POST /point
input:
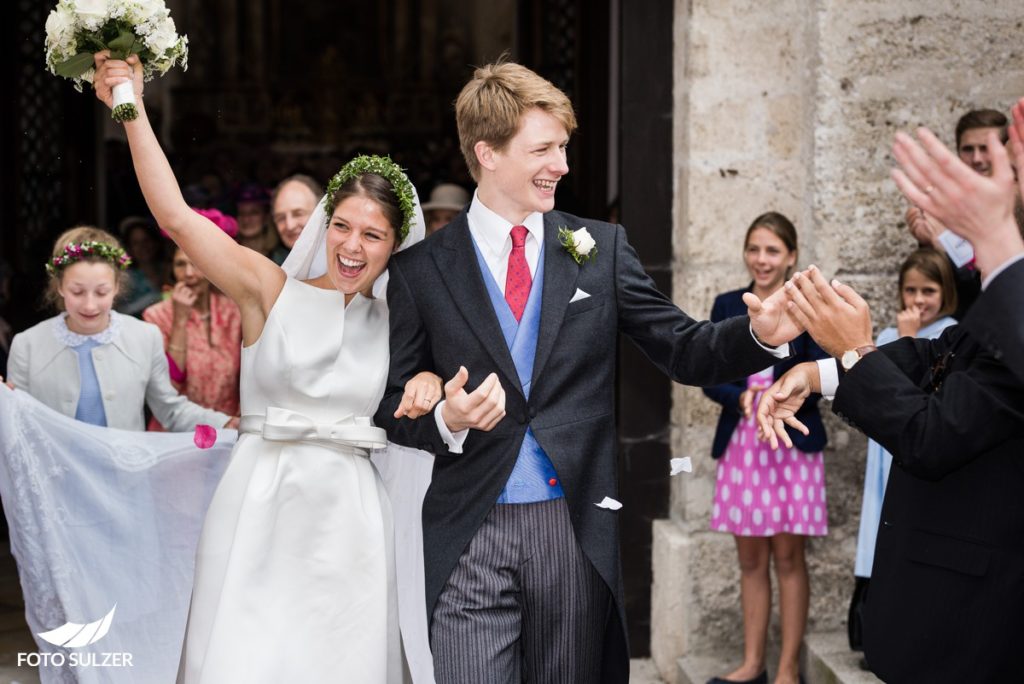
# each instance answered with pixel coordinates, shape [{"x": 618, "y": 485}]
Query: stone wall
[{"x": 791, "y": 105}]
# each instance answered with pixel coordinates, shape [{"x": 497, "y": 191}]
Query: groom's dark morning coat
[{"x": 441, "y": 318}]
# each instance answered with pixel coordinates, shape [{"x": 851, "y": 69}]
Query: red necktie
[{"x": 518, "y": 279}]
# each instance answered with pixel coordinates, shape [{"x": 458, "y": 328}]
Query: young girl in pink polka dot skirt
[
  {"x": 768, "y": 499},
  {"x": 760, "y": 491}
]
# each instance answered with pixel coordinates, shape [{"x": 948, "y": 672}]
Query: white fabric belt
[{"x": 283, "y": 425}]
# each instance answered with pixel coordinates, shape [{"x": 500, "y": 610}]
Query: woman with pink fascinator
[{"x": 202, "y": 331}]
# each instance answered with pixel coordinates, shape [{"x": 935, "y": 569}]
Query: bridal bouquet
[{"x": 76, "y": 29}]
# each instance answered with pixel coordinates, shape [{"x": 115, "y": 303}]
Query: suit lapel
[
  {"x": 456, "y": 260},
  {"x": 560, "y": 274}
]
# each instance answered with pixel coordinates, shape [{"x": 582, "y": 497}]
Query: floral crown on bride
[
  {"x": 89, "y": 249},
  {"x": 386, "y": 169}
]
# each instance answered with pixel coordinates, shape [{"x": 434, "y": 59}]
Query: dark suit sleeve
[
  {"x": 691, "y": 352},
  {"x": 968, "y": 287},
  {"x": 997, "y": 318},
  {"x": 931, "y": 434},
  {"x": 410, "y": 354},
  {"x": 727, "y": 394}
]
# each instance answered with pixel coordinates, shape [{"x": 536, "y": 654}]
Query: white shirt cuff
[
  {"x": 999, "y": 269},
  {"x": 828, "y": 376},
  {"x": 780, "y": 352},
  {"x": 454, "y": 441}
]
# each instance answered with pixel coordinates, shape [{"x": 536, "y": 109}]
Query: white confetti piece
[
  {"x": 609, "y": 503},
  {"x": 681, "y": 465}
]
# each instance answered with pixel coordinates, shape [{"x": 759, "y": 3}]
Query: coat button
[{"x": 533, "y": 412}]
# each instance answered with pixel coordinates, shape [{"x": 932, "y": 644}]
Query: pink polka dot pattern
[
  {"x": 760, "y": 492},
  {"x": 518, "y": 279}
]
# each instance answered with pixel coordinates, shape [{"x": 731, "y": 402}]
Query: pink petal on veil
[{"x": 205, "y": 437}]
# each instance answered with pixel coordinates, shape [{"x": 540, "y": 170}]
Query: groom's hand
[
  {"x": 480, "y": 409},
  {"x": 770, "y": 320}
]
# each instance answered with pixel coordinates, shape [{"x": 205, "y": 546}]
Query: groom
[{"x": 522, "y": 565}]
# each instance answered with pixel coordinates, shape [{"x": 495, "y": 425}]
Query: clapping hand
[
  {"x": 833, "y": 313},
  {"x": 747, "y": 399},
  {"x": 770, "y": 320},
  {"x": 975, "y": 207},
  {"x": 422, "y": 393},
  {"x": 924, "y": 228},
  {"x": 780, "y": 403},
  {"x": 480, "y": 409}
]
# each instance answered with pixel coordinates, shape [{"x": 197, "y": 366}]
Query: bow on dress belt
[{"x": 284, "y": 425}]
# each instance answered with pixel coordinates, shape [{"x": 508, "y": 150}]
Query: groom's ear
[{"x": 484, "y": 154}]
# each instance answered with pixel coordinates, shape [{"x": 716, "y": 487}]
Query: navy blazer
[{"x": 730, "y": 305}]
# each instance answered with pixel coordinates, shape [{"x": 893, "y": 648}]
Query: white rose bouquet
[{"x": 76, "y": 29}]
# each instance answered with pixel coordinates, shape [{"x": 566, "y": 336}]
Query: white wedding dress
[{"x": 295, "y": 572}]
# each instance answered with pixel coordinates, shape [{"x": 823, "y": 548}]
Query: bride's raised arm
[{"x": 249, "y": 278}]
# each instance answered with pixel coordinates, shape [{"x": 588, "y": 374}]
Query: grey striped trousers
[{"x": 524, "y": 604}]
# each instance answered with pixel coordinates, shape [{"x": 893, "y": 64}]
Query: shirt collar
[
  {"x": 72, "y": 339},
  {"x": 494, "y": 231}
]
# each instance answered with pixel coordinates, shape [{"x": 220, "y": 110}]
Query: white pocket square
[{"x": 580, "y": 294}]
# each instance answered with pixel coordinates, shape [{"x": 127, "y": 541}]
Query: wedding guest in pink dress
[
  {"x": 202, "y": 331},
  {"x": 769, "y": 500}
]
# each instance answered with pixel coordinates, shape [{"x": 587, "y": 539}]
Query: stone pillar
[{"x": 791, "y": 106}]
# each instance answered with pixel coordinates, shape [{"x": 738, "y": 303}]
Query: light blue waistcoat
[{"x": 533, "y": 473}]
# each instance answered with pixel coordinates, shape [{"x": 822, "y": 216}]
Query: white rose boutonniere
[{"x": 578, "y": 243}]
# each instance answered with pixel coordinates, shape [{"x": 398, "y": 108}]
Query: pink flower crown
[{"x": 90, "y": 249}]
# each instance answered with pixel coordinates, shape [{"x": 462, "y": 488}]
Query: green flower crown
[
  {"x": 385, "y": 168},
  {"x": 89, "y": 249}
]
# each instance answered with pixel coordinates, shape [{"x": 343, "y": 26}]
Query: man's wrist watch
[{"x": 850, "y": 358}]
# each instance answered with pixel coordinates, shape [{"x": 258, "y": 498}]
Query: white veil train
[
  {"x": 103, "y": 524},
  {"x": 406, "y": 472}
]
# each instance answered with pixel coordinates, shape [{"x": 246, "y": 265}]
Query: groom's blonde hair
[{"x": 491, "y": 105}]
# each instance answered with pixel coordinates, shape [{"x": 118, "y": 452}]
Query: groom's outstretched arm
[{"x": 692, "y": 352}]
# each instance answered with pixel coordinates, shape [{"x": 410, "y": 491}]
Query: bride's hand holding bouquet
[
  {"x": 114, "y": 74},
  {"x": 77, "y": 29}
]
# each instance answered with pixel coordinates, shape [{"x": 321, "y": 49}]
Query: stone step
[
  {"x": 826, "y": 658},
  {"x": 643, "y": 671}
]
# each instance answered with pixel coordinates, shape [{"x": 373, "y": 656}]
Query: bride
[{"x": 295, "y": 572}]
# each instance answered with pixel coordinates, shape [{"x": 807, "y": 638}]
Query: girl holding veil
[{"x": 295, "y": 574}]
